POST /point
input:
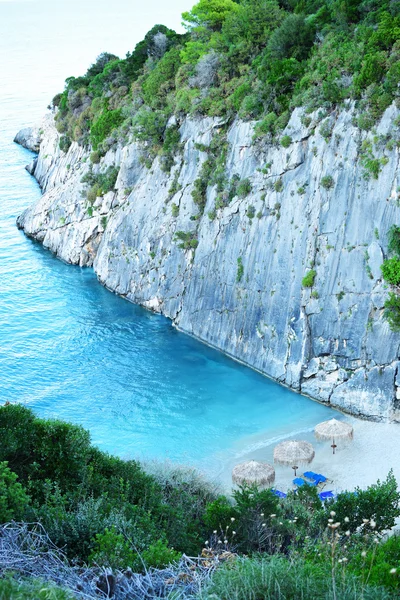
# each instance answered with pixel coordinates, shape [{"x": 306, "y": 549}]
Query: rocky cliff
[{"x": 321, "y": 202}]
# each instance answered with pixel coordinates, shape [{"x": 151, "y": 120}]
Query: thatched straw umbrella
[
  {"x": 334, "y": 430},
  {"x": 252, "y": 471},
  {"x": 294, "y": 452}
]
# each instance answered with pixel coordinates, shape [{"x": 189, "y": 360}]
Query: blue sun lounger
[
  {"x": 279, "y": 493},
  {"x": 326, "y": 495},
  {"x": 299, "y": 482},
  {"x": 317, "y": 477}
]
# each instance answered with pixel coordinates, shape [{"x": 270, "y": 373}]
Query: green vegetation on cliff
[{"x": 254, "y": 58}]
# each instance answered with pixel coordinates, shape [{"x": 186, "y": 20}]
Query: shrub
[
  {"x": 394, "y": 239},
  {"x": 64, "y": 143},
  {"x": 392, "y": 311},
  {"x": 278, "y": 185},
  {"x": 174, "y": 210},
  {"x": 240, "y": 269},
  {"x": 187, "y": 239},
  {"x": 38, "y": 450},
  {"x": 95, "y": 157},
  {"x": 327, "y": 182},
  {"x": 243, "y": 188},
  {"x": 391, "y": 270},
  {"x": 161, "y": 79},
  {"x": 158, "y": 555},
  {"x": 379, "y": 502},
  {"x": 104, "y": 125},
  {"x": 267, "y": 125},
  {"x": 250, "y": 212},
  {"x": 111, "y": 549},
  {"x": 286, "y": 141},
  {"x": 326, "y": 130},
  {"x": 13, "y": 498},
  {"x": 308, "y": 280},
  {"x": 293, "y": 39}
]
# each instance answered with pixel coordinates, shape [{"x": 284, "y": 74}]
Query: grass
[
  {"x": 280, "y": 578},
  {"x": 31, "y": 589}
]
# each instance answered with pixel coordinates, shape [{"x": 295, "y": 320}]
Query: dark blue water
[{"x": 71, "y": 349}]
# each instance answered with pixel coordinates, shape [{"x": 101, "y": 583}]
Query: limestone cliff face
[{"x": 314, "y": 206}]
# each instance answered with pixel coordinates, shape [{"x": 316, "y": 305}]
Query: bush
[
  {"x": 149, "y": 126},
  {"x": 95, "y": 157},
  {"x": 111, "y": 549},
  {"x": 104, "y": 125},
  {"x": 379, "y": 503},
  {"x": 293, "y": 39},
  {"x": 391, "y": 270},
  {"x": 38, "y": 450},
  {"x": 286, "y": 141},
  {"x": 267, "y": 125},
  {"x": 187, "y": 240},
  {"x": 243, "y": 188},
  {"x": 392, "y": 311},
  {"x": 394, "y": 240},
  {"x": 251, "y": 212},
  {"x": 64, "y": 143},
  {"x": 327, "y": 182},
  {"x": 13, "y": 498},
  {"x": 161, "y": 79},
  {"x": 158, "y": 555},
  {"x": 240, "y": 269},
  {"x": 308, "y": 280}
]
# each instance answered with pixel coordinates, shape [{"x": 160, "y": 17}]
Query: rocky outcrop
[
  {"x": 29, "y": 138},
  {"x": 236, "y": 283}
]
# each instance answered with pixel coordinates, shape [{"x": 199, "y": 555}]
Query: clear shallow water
[{"x": 71, "y": 349}]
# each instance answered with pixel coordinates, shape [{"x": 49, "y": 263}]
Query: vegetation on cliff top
[
  {"x": 104, "y": 511},
  {"x": 254, "y": 58}
]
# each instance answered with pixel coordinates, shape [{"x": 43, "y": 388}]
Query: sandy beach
[{"x": 374, "y": 450}]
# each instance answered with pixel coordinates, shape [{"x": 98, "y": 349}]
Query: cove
[{"x": 70, "y": 349}]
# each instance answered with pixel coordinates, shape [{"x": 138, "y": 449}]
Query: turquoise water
[{"x": 73, "y": 350}]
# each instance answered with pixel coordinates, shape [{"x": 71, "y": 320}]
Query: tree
[
  {"x": 149, "y": 46},
  {"x": 209, "y": 13},
  {"x": 293, "y": 39},
  {"x": 248, "y": 28},
  {"x": 98, "y": 66}
]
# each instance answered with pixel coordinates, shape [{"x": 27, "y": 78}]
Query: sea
[{"x": 72, "y": 350}]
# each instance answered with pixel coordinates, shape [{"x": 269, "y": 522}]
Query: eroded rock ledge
[{"x": 311, "y": 205}]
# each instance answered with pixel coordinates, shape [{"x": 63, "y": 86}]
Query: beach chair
[
  {"x": 317, "y": 477},
  {"x": 279, "y": 493},
  {"x": 299, "y": 482},
  {"x": 326, "y": 495}
]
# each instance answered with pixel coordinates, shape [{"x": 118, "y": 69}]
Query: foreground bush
[
  {"x": 110, "y": 513},
  {"x": 78, "y": 492}
]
